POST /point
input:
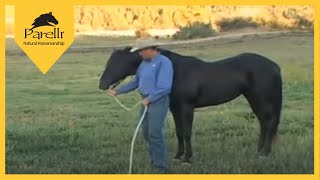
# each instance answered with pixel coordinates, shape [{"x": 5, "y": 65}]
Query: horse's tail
[{"x": 277, "y": 103}]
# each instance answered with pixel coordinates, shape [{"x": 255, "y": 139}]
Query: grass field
[{"x": 62, "y": 123}]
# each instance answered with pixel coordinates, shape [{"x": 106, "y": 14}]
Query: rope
[
  {"x": 137, "y": 128},
  {"x": 134, "y": 138},
  {"x": 125, "y": 107}
]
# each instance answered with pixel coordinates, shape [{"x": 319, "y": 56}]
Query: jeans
[{"x": 153, "y": 131}]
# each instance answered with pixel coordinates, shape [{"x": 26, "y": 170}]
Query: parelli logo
[
  {"x": 36, "y": 32},
  {"x": 45, "y": 32}
]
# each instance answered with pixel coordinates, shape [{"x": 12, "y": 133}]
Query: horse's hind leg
[
  {"x": 179, "y": 133},
  {"x": 262, "y": 137},
  {"x": 188, "y": 113},
  {"x": 267, "y": 113},
  {"x": 271, "y": 130},
  {"x": 269, "y": 125},
  {"x": 272, "y": 125},
  {"x": 183, "y": 115}
]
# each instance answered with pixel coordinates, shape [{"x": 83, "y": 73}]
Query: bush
[
  {"x": 304, "y": 23},
  {"x": 274, "y": 24},
  {"x": 236, "y": 23},
  {"x": 195, "y": 30}
]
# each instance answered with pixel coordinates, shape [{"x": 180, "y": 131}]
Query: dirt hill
[
  {"x": 165, "y": 17},
  {"x": 101, "y": 18}
]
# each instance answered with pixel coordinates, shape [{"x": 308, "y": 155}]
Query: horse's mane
[
  {"x": 168, "y": 54},
  {"x": 174, "y": 54},
  {"x": 162, "y": 51}
]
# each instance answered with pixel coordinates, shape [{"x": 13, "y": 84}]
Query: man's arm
[
  {"x": 132, "y": 85},
  {"x": 164, "y": 81}
]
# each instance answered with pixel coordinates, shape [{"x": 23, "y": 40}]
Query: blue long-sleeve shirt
[{"x": 153, "y": 78}]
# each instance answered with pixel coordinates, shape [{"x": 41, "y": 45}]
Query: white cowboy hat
[{"x": 143, "y": 43}]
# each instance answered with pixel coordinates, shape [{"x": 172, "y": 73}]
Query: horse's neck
[
  {"x": 171, "y": 55},
  {"x": 177, "y": 58}
]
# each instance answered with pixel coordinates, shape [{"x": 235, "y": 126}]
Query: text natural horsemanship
[{"x": 43, "y": 43}]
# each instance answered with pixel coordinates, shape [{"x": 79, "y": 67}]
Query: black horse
[{"x": 197, "y": 84}]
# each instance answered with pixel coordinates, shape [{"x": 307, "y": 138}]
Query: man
[{"x": 154, "y": 81}]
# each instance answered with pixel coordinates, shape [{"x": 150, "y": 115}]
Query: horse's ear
[
  {"x": 50, "y": 13},
  {"x": 127, "y": 48}
]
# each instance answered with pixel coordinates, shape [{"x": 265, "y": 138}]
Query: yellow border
[
  {"x": 2, "y": 88},
  {"x": 316, "y": 89},
  {"x": 316, "y": 4},
  {"x": 182, "y": 2}
]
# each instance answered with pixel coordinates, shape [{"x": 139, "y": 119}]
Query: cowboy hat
[{"x": 144, "y": 43}]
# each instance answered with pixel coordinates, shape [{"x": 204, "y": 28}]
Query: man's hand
[
  {"x": 111, "y": 92},
  {"x": 145, "y": 102}
]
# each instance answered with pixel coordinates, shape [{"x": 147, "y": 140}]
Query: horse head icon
[{"x": 45, "y": 20}]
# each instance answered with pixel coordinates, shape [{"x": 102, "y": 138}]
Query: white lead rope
[
  {"x": 137, "y": 128},
  {"x": 134, "y": 138},
  {"x": 125, "y": 107}
]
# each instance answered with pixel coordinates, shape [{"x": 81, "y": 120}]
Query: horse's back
[
  {"x": 247, "y": 60},
  {"x": 204, "y": 83}
]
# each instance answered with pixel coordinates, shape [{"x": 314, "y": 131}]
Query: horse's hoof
[
  {"x": 176, "y": 159},
  {"x": 263, "y": 156},
  {"x": 186, "y": 162}
]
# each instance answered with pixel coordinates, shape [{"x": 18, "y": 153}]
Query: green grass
[{"x": 62, "y": 123}]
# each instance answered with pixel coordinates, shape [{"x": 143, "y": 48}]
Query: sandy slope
[{"x": 165, "y": 20}]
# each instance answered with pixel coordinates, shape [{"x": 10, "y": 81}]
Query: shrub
[
  {"x": 226, "y": 24},
  {"x": 195, "y": 30},
  {"x": 304, "y": 23}
]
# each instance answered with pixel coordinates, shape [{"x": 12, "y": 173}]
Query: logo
[
  {"x": 44, "y": 33},
  {"x": 44, "y": 20}
]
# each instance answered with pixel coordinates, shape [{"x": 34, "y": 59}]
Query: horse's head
[
  {"x": 121, "y": 64},
  {"x": 50, "y": 18}
]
